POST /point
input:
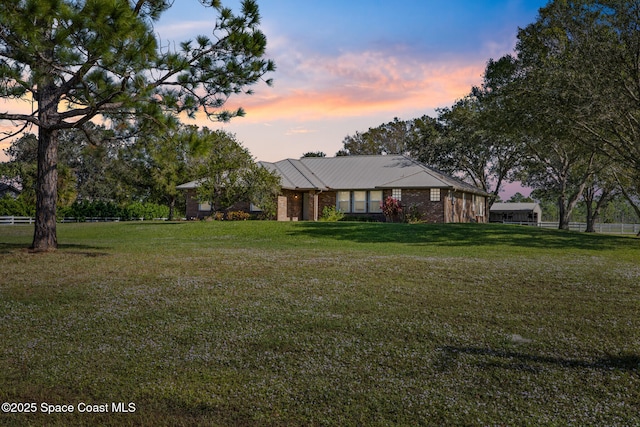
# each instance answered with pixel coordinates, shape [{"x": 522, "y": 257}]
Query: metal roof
[
  {"x": 362, "y": 173},
  {"x": 190, "y": 185},
  {"x": 512, "y": 207},
  {"x": 358, "y": 173}
]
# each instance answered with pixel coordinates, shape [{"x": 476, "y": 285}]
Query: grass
[{"x": 265, "y": 323}]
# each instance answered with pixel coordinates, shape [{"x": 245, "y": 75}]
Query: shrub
[
  {"x": 392, "y": 209},
  {"x": 100, "y": 209},
  {"x": 413, "y": 214},
  {"x": 331, "y": 214},
  {"x": 16, "y": 207},
  {"x": 237, "y": 216},
  {"x": 147, "y": 211}
]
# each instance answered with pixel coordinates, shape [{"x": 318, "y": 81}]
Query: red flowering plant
[{"x": 391, "y": 208}]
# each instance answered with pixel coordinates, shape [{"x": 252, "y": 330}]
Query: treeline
[
  {"x": 10, "y": 206},
  {"x": 561, "y": 115},
  {"x": 104, "y": 174}
]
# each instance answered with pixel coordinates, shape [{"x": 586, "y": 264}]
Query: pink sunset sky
[{"x": 348, "y": 65}]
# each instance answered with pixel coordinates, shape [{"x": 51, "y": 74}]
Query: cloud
[
  {"x": 300, "y": 131},
  {"x": 358, "y": 83},
  {"x": 183, "y": 30}
]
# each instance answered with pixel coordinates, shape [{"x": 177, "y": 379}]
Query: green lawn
[{"x": 265, "y": 323}]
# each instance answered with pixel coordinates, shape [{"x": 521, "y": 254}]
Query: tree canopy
[
  {"x": 76, "y": 60},
  {"x": 562, "y": 114}
]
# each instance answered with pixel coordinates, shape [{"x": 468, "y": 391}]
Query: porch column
[
  {"x": 315, "y": 207},
  {"x": 283, "y": 214}
]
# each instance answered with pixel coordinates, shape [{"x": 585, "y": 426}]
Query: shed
[{"x": 516, "y": 212}]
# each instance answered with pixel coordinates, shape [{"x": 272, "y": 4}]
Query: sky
[{"x": 344, "y": 66}]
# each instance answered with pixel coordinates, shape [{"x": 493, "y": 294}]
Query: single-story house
[
  {"x": 356, "y": 185},
  {"x": 516, "y": 212}
]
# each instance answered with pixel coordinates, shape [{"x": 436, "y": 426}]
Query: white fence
[
  {"x": 582, "y": 226},
  {"x": 13, "y": 220}
]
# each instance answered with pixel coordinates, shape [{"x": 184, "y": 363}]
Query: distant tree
[
  {"x": 427, "y": 144},
  {"x": 89, "y": 166},
  {"x": 21, "y": 168},
  {"x": 389, "y": 138},
  {"x": 229, "y": 174},
  {"x": 92, "y": 153},
  {"x": 80, "y": 59},
  {"x": 520, "y": 198},
  {"x": 314, "y": 154},
  {"x": 472, "y": 146},
  {"x": 473, "y": 139},
  {"x": 161, "y": 159},
  {"x": 361, "y": 143}
]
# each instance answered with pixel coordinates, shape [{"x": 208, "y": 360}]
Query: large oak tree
[
  {"x": 580, "y": 92},
  {"x": 77, "y": 60}
]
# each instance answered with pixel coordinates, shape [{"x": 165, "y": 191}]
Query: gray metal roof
[
  {"x": 362, "y": 173},
  {"x": 512, "y": 207},
  {"x": 358, "y": 173},
  {"x": 190, "y": 185}
]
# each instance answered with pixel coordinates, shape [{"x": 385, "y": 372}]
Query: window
[
  {"x": 396, "y": 193},
  {"x": 435, "y": 194},
  {"x": 375, "y": 199},
  {"x": 344, "y": 201},
  {"x": 360, "y": 201},
  {"x": 204, "y": 206}
]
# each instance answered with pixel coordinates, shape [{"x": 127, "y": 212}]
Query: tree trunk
[
  {"x": 593, "y": 212},
  {"x": 564, "y": 213},
  {"x": 591, "y": 217},
  {"x": 44, "y": 237},
  {"x": 589, "y": 196},
  {"x": 172, "y": 206}
]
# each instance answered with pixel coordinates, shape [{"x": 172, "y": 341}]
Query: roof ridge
[
  {"x": 408, "y": 176},
  {"x": 281, "y": 172},
  {"x": 316, "y": 178}
]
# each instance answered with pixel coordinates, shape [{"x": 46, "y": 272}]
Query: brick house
[{"x": 356, "y": 185}]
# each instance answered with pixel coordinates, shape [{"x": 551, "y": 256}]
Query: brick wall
[
  {"x": 294, "y": 204},
  {"x": 462, "y": 210},
  {"x": 191, "y": 210},
  {"x": 421, "y": 201}
]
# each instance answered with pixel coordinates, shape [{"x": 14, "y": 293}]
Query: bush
[
  {"x": 100, "y": 209},
  {"x": 146, "y": 211},
  {"x": 413, "y": 215},
  {"x": 331, "y": 214},
  {"x": 392, "y": 209},
  {"x": 16, "y": 207},
  {"x": 237, "y": 216}
]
